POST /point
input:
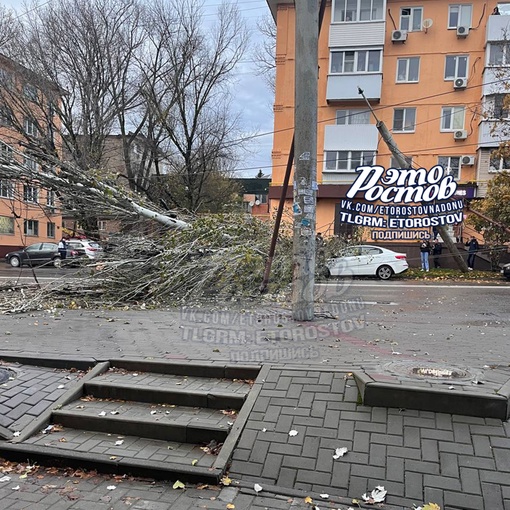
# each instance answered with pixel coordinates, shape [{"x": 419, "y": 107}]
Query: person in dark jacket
[
  {"x": 437, "y": 249},
  {"x": 473, "y": 247},
  {"x": 424, "y": 254}
]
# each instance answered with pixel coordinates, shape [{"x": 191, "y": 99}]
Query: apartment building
[
  {"x": 434, "y": 73},
  {"x": 28, "y": 213}
]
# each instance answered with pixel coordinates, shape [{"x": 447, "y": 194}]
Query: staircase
[{"x": 170, "y": 422}]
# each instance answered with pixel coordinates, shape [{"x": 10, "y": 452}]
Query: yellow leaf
[
  {"x": 178, "y": 485},
  {"x": 226, "y": 480},
  {"x": 431, "y": 506},
  {"x": 355, "y": 501},
  {"x": 23, "y": 476},
  {"x": 230, "y": 506},
  {"x": 308, "y": 500},
  {"x": 194, "y": 462}
]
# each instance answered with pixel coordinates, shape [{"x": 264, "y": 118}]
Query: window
[
  {"x": 6, "y": 225},
  {"x": 452, "y": 118},
  {"x": 356, "y": 61},
  {"x": 30, "y": 193},
  {"x": 50, "y": 229},
  {"x": 6, "y": 189},
  {"x": 499, "y": 54},
  {"x": 459, "y": 15},
  {"x": 499, "y": 164},
  {"x": 408, "y": 70},
  {"x": 394, "y": 163},
  {"x": 411, "y": 18},
  {"x": 50, "y": 198},
  {"x": 404, "y": 120},
  {"x": 358, "y": 10},
  {"x": 348, "y": 161},
  {"x": 101, "y": 224},
  {"x": 456, "y": 66},
  {"x": 30, "y": 126},
  {"x": 30, "y": 92},
  {"x": 353, "y": 116},
  {"x": 30, "y": 163},
  {"x": 5, "y": 117},
  {"x": 6, "y": 79},
  {"x": 504, "y": 8},
  {"x": 31, "y": 227},
  {"x": 451, "y": 164},
  {"x": 5, "y": 152}
]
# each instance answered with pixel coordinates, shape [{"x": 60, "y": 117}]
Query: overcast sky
[{"x": 252, "y": 96}]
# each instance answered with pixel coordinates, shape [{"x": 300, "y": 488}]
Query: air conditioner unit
[
  {"x": 462, "y": 31},
  {"x": 399, "y": 36},
  {"x": 467, "y": 160},
  {"x": 460, "y": 83},
  {"x": 460, "y": 134}
]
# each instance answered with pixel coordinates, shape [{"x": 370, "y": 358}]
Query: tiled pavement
[{"x": 457, "y": 462}]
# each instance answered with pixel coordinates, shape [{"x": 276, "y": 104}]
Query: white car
[
  {"x": 91, "y": 249},
  {"x": 368, "y": 261}
]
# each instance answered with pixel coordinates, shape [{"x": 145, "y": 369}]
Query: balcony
[
  {"x": 351, "y": 35},
  {"x": 498, "y": 28},
  {"x": 492, "y": 133},
  {"x": 344, "y": 87},
  {"x": 352, "y": 137}
]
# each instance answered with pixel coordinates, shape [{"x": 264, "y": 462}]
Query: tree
[
  {"x": 264, "y": 52},
  {"x": 496, "y": 206}
]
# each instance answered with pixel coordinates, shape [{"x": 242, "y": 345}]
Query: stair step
[
  {"x": 182, "y": 424},
  {"x": 169, "y": 389}
]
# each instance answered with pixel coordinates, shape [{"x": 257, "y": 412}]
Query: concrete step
[
  {"x": 169, "y": 389},
  {"x": 155, "y": 421}
]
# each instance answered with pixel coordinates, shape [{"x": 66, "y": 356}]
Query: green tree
[{"x": 496, "y": 209}]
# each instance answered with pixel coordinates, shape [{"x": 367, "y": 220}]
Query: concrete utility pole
[
  {"x": 305, "y": 172},
  {"x": 404, "y": 163}
]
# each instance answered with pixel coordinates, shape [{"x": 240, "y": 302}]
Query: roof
[{"x": 256, "y": 186}]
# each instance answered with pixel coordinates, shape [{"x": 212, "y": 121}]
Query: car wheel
[
  {"x": 57, "y": 262},
  {"x": 384, "y": 272},
  {"x": 15, "y": 261},
  {"x": 326, "y": 272}
]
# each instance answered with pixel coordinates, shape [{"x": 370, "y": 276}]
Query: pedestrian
[
  {"x": 424, "y": 254},
  {"x": 473, "y": 247},
  {"x": 437, "y": 249},
  {"x": 62, "y": 249},
  {"x": 496, "y": 12}
]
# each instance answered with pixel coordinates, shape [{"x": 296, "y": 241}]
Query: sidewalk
[{"x": 456, "y": 461}]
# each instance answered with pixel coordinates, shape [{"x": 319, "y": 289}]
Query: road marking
[{"x": 420, "y": 286}]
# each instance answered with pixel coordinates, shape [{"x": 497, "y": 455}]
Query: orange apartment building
[
  {"x": 28, "y": 213},
  {"x": 431, "y": 71}
]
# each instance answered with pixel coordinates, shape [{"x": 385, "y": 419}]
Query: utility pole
[
  {"x": 404, "y": 163},
  {"x": 305, "y": 171}
]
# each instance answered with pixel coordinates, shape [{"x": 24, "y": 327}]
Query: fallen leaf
[
  {"x": 17, "y": 433},
  {"x": 49, "y": 428},
  {"x": 5, "y": 478},
  {"x": 257, "y": 487},
  {"x": 15, "y": 488},
  {"x": 340, "y": 452},
  {"x": 113, "y": 457},
  {"x": 308, "y": 500},
  {"x": 178, "y": 485},
  {"x": 60, "y": 386},
  {"x": 23, "y": 476},
  {"x": 111, "y": 487},
  {"x": 230, "y": 506},
  {"x": 114, "y": 412},
  {"x": 293, "y": 433},
  {"x": 194, "y": 462},
  {"x": 376, "y": 496},
  {"x": 102, "y": 413},
  {"x": 118, "y": 443},
  {"x": 226, "y": 480},
  {"x": 430, "y": 506},
  {"x": 324, "y": 496}
]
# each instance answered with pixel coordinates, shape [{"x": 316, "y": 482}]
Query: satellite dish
[
  {"x": 257, "y": 202},
  {"x": 427, "y": 23},
  {"x": 252, "y": 204}
]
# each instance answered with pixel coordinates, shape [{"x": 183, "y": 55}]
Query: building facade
[
  {"x": 434, "y": 72},
  {"x": 28, "y": 212}
]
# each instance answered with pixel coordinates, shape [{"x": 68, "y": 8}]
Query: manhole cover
[
  {"x": 5, "y": 374},
  {"x": 430, "y": 371}
]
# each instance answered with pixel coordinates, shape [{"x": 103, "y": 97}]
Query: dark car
[
  {"x": 37, "y": 254},
  {"x": 505, "y": 271}
]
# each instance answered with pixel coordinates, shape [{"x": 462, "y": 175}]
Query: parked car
[
  {"x": 39, "y": 253},
  {"x": 368, "y": 261},
  {"x": 86, "y": 247},
  {"x": 505, "y": 271}
]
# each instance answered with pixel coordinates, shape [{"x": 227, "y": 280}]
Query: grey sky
[{"x": 251, "y": 95}]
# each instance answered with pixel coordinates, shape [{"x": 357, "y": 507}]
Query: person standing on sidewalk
[
  {"x": 424, "y": 254},
  {"x": 437, "y": 249},
  {"x": 473, "y": 247},
  {"x": 62, "y": 249}
]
